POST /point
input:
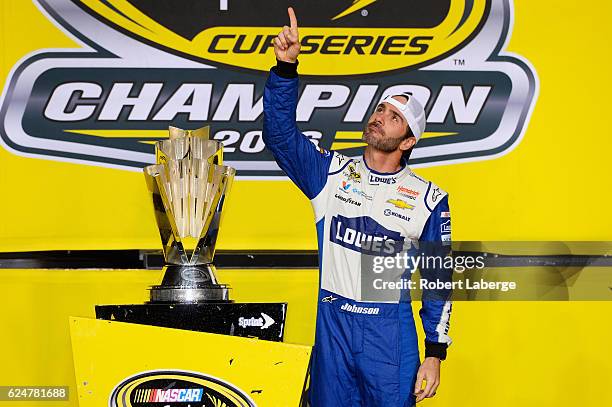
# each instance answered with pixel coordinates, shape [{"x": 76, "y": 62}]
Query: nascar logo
[
  {"x": 139, "y": 71},
  {"x": 165, "y": 396},
  {"x": 175, "y": 388}
]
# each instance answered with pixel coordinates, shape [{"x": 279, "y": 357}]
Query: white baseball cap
[{"x": 412, "y": 111}]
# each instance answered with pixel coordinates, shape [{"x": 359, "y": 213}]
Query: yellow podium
[{"x": 120, "y": 364}]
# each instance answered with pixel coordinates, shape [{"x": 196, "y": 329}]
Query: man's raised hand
[{"x": 287, "y": 43}]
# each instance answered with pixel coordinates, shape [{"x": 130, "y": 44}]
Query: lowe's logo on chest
[
  {"x": 363, "y": 234},
  {"x": 377, "y": 179}
]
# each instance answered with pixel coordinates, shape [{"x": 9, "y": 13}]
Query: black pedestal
[{"x": 261, "y": 320}]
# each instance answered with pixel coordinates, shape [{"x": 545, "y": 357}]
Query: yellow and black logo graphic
[
  {"x": 338, "y": 37},
  {"x": 177, "y": 389},
  {"x": 146, "y": 64}
]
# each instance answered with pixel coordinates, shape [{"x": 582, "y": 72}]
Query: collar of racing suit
[{"x": 401, "y": 173}]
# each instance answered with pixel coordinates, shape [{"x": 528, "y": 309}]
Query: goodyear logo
[
  {"x": 177, "y": 388},
  {"x": 145, "y": 64}
]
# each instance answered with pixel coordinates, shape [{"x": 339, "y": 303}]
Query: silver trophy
[{"x": 188, "y": 186}]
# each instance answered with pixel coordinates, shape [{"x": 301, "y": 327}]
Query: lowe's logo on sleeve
[
  {"x": 445, "y": 227},
  {"x": 363, "y": 234}
]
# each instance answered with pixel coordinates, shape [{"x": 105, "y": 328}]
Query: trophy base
[
  {"x": 189, "y": 284},
  {"x": 260, "y": 320},
  {"x": 179, "y": 294}
]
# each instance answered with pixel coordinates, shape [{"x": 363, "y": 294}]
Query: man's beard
[{"x": 374, "y": 136}]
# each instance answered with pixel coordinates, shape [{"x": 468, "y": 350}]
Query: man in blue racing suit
[{"x": 366, "y": 352}]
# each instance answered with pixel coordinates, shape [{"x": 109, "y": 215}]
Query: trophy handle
[
  {"x": 174, "y": 252},
  {"x": 222, "y": 177}
]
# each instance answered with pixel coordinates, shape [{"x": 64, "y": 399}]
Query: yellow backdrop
[
  {"x": 553, "y": 186},
  {"x": 532, "y": 354},
  {"x": 532, "y": 193}
]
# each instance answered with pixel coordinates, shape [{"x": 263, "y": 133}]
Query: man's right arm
[{"x": 304, "y": 163}]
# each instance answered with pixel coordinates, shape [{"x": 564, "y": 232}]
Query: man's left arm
[{"x": 436, "y": 305}]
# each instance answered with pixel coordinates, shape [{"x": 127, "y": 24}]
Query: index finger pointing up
[{"x": 292, "y": 19}]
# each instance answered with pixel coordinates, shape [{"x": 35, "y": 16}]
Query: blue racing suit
[{"x": 366, "y": 352}]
